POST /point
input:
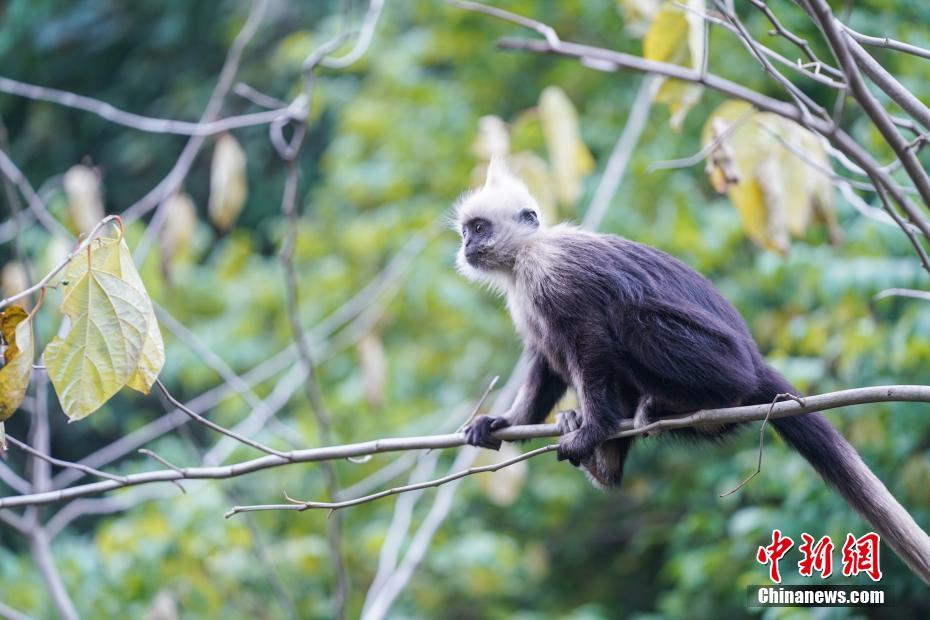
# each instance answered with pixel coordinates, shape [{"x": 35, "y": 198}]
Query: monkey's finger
[{"x": 498, "y": 423}]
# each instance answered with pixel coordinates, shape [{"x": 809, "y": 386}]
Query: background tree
[{"x": 354, "y": 127}]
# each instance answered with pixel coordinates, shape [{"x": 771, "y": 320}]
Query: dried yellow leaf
[
  {"x": 676, "y": 36},
  {"x": 85, "y": 202},
  {"x": 228, "y": 185},
  {"x": 773, "y": 171},
  {"x": 16, "y": 330}
]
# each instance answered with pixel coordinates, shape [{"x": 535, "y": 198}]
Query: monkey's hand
[
  {"x": 576, "y": 444},
  {"x": 479, "y": 432}
]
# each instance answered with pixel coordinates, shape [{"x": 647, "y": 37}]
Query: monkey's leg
[
  {"x": 541, "y": 390},
  {"x": 604, "y": 402},
  {"x": 605, "y": 468}
]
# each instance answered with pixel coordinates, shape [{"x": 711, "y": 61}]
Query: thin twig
[
  {"x": 478, "y": 404},
  {"x": 60, "y": 463},
  {"x": 548, "y": 32},
  {"x": 167, "y": 464},
  {"x": 216, "y": 427},
  {"x": 137, "y": 121},
  {"x": 887, "y": 43},
  {"x": 903, "y": 292},
  {"x": 778, "y": 397},
  {"x": 301, "y": 505},
  {"x": 64, "y": 263},
  {"x": 366, "y": 34}
]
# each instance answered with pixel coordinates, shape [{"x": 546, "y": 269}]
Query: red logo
[
  {"x": 817, "y": 556},
  {"x": 774, "y": 552},
  {"x": 860, "y": 555}
]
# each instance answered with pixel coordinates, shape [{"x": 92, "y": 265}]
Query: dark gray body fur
[{"x": 624, "y": 323}]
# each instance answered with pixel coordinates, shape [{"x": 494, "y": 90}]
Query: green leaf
[
  {"x": 103, "y": 347},
  {"x": 16, "y": 328}
]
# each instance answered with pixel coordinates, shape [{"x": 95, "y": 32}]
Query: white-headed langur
[{"x": 638, "y": 335}]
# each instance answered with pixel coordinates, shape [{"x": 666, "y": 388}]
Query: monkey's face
[{"x": 495, "y": 222}]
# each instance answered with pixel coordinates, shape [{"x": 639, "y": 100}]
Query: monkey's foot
[
  {"x": 568, "y": 421},
  {"x": 643, "y": 418},
  {"x": 577, "y": 445},
  {"x": 479, "y": 432}
]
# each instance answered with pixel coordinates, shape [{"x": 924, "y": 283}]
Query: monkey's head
[{"x": 495, "y": 222}]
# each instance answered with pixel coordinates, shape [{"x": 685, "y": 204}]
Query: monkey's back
[{"x": 643, "y": 316}]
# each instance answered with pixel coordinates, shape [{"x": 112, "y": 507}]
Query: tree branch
[{"x": 822, "y": 402}]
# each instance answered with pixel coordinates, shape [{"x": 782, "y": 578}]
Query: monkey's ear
[{"x": 497, "y": 171}]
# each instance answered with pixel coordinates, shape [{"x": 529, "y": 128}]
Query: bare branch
[
  {"x": 13, "y": 480},
  {"x": 548, "y": 32},
  {"x": 301, "y": 505},
  {"x": 12, "y": 172},
  {"x": 311, "y": 385},
  {"x": 884, "y": 42},
  {"x": 136, "y": 121},
  {"x": 15, "y": 521},
  {"x": 903, "y": 292},
  {"x": 780, "y": 30},
  {"x": 822, "y": 402},
  {"x": 42, "y": 552},
  {"x": 213, "y": 425},
  {"x": 60, "y": 463},
  {"x": 840, "y": 44},
  {"x": 11, "y": 614},
  {"x": 366, "y": 34},
  {"x": 889, "y": 83}
]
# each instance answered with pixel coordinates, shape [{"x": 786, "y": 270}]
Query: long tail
[{"x": 838, "y": 463}]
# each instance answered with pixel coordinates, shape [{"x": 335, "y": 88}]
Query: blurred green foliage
[{"x": 388, "y": 151}]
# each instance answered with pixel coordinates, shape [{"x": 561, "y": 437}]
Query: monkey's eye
[
  {"x": 478, "y": 228},
  {"x": 528, "y": 216}
]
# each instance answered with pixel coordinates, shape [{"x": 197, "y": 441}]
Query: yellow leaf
[
  {"x": 101, "y": 350},
  {"x": 83, "y": 188},
  {"x": 570, "y": 158},
  {"x": 179, "y": 227},
  {"x": 228, "y": 185},
  {"x": 773, "y": 171},
  {"x": 680, "y": 97},
  {"x": 676, "y": 36},
  {"x": 13, "y": 280},
  {"x": 373, "y": 363},
  {"x": 111, "y": 256},
  {"x": 16, "y": 330}
]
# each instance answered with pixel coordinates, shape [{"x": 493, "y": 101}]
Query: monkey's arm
[{"x": 541, "y": 390}]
